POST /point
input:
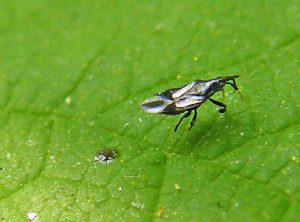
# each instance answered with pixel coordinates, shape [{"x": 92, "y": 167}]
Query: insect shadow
[{"x": 214, "y": 138}]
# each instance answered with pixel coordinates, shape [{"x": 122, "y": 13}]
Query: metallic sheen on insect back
[{"x": 188, "y": 98}]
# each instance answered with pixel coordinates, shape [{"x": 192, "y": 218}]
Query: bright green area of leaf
[{"x": 73, "y": 75}]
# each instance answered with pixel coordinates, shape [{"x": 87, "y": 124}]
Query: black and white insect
[{"x": 189, "y": 98}]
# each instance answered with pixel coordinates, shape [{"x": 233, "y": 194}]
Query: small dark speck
[
  {"x": 1, "y": 168},
  {"x": 106, "y": 156}
]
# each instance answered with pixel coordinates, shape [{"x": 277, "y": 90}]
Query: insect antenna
[
  {"x": 240, "y": 94},
  {"x": 237, "y": 89}
]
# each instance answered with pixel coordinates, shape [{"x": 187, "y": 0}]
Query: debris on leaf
[
  {"x": 137, "y": 205},
  {"x": 32, "y": 217},
  {"x": 176, "y": 186},
  {"x": 160, "y": 212},
  {"x": 105, "y": 156}
]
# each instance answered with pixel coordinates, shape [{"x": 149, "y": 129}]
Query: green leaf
[{"x": 72, "y": 78}]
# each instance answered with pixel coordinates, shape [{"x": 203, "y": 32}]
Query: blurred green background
[{"x": 73, "y": 75}]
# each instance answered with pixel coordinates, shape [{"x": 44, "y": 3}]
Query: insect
[{"x": 189, "y": 98}]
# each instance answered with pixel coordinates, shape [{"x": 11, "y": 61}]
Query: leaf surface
[{"x": 73, "y": 76}]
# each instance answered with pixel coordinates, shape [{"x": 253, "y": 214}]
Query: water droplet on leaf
[{"x": 68, "y": 100}]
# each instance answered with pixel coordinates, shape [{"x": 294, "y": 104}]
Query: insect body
[{"x": 188, "y": 98}]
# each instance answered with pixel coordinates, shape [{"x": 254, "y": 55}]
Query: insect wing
[
  {"x": 189, "y": 101},
  {"x": 174, "y": 101},
  {"x": 176, "y": 93},
  {"x": 187, "y": 97},
  {"x": 156, "y": 104}
]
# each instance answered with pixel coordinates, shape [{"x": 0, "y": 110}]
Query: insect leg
[
  {"x": 194, "y": 119},
  {"x": 223, "y": 94},
  {"x": 187, "y": 114},
  {"x": 223, "y": 109},
  {"x": 233, "y": 85}
]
